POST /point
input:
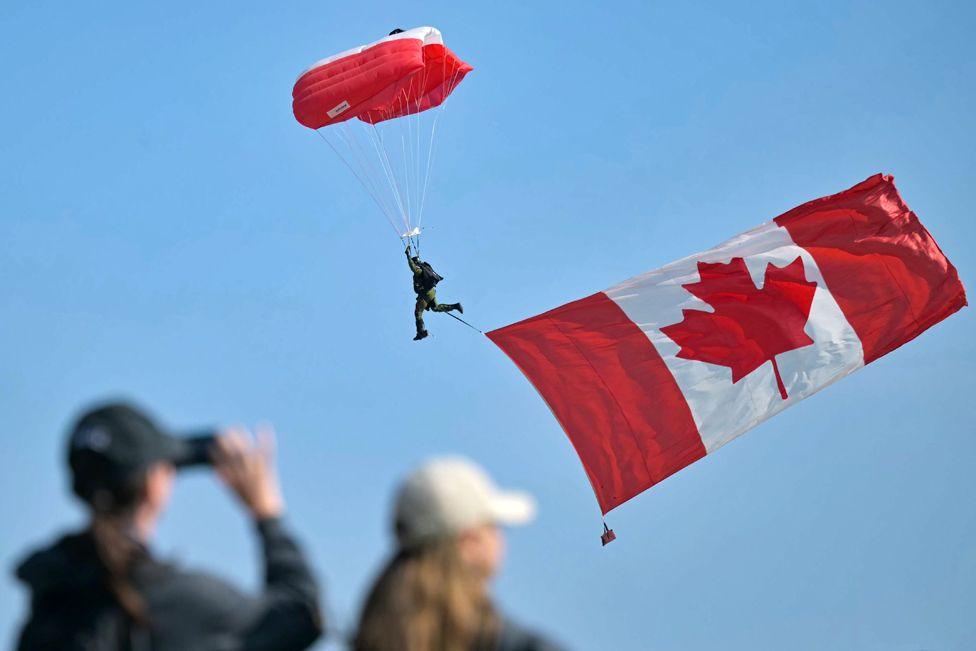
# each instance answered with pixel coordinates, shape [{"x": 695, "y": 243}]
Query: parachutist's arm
[{"x": 413, "y": 265}]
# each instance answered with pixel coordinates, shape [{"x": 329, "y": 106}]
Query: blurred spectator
[
  {"x": 102, "y": 588},
  {"x": 433, "y": 594}
]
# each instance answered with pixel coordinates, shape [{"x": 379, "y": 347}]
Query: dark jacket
[
  {"x": 188, "y": 611},
  {"x": 513, "y": 637}
]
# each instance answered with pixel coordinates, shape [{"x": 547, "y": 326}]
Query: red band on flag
[
  {"x": 611, "y": 392},
  {"x": 885, "y": 271}
]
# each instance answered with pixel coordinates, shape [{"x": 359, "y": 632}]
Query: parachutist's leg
[
  {"x": 418, "y": 315},
  {"x": 448, "y": 307}
]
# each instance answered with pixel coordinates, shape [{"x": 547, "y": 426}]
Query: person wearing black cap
[{"x": 103, "y": 589}]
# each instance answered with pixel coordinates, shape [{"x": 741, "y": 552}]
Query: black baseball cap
[{"x": 112, "y": 443}]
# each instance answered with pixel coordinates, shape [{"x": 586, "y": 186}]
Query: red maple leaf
[{"x": 749, "y": 326}]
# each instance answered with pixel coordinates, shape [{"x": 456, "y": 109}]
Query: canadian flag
[{"x": 662, "y": 369}]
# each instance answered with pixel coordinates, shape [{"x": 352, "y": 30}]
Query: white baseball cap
[{"x": 448, "y": 495}]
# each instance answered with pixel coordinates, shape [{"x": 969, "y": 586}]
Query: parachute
[{"x": 371, "y": 104}]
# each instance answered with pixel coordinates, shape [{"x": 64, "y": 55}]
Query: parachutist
[{"x": 425, "y": 279}]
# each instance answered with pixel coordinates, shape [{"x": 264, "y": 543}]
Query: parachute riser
[
  {"x": 411, "y": 243},
  {"x": 411, "y": 239}
]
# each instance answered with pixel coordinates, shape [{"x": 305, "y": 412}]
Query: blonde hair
[{"x": 428, "y": 599}]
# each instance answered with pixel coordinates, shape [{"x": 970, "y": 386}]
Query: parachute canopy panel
[{"x": 402, "y": 74}]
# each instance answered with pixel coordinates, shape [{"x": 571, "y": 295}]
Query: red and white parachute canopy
[{"x": 391, "y": 83}]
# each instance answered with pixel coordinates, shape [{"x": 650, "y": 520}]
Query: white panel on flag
[{"x": 723, "y": 410}]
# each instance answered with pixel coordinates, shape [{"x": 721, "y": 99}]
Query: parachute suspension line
[
  {"x": 416, "y": 142},
  {"x": 430, "y": 154},
  {"x": 380, "y": 147},
  {"x": 406, "y": 151},
  {"x": 366, "y": 165},
  {"x": 406, "y": 174},
  {"x": 430, "y": 147},
  {"x": 356, "y": 174},
  {"x": 365, "y": 159},
  {"x": 418, "y": 121},
  {"x": 402, "y": 188},
  {"x": 372, "y": 173},
  {"x": 390, "y": 180},
  {"x": 415, "y": 122}
]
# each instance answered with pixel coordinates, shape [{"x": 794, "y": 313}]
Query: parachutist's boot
[
  {"x": 421, "y": 330},
  {"x": 457, "y": 306}
]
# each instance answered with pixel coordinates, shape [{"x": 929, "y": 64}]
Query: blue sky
[{"x": 170, "y": 234}]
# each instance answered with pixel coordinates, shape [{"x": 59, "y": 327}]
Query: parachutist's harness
[{"x": 427, "y": 279}]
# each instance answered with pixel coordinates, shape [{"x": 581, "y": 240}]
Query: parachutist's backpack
[{"x": 428, "y": 278}]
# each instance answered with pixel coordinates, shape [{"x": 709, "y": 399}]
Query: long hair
[
  {"x": 116, "y": 549},
  {"x": 427, "y": 599}
]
